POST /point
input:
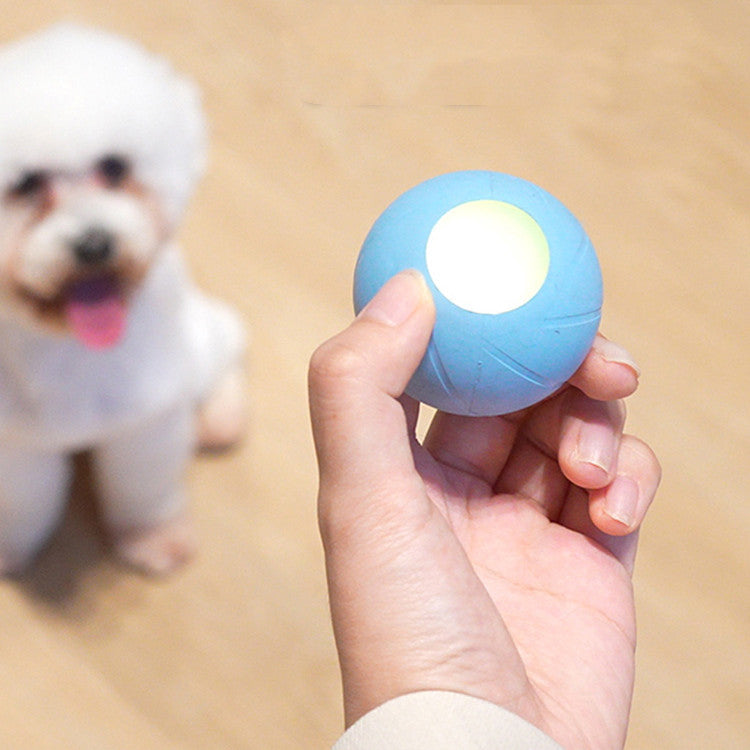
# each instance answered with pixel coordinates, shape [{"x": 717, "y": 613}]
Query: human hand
[{"x": 496, "y": 558}]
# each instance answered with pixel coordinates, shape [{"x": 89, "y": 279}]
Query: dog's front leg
[
  {"x": 33, "y": 490},
  {"x": 140, "y": 475}
]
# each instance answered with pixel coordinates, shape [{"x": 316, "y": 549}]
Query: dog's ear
[
  {"x": 190, "y": 103},
  {"x": 173, "y": 170}
]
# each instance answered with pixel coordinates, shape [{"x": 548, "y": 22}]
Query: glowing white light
[{"x": 487, "y": 256}]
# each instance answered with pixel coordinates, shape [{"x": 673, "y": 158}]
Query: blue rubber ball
[{"x": 516, "y": 285}]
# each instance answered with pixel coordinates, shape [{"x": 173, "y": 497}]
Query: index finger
[{"x": 608, "y": 373}]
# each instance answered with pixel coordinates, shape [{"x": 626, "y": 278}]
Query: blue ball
[{"x": 516, "y": 285}]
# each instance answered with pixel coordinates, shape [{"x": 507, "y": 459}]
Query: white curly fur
[
  {"x": 69, "y": 96},
  {"x": 71, "y": 93}
]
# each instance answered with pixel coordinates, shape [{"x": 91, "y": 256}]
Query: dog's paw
[
  {"x": 222, "y": 417},
  {"x": 159, "y": 549}
]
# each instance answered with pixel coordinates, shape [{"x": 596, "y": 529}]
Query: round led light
[{"x": 487, "y": 256}]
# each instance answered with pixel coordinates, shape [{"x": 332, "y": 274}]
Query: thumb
[{"x": 355, "y": 379}]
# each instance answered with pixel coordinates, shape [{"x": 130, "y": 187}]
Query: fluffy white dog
[{"x": 105, "y": 345}]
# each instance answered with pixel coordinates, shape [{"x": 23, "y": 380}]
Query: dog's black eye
[
  {"x": 28, "y": 185},
  {"x": 114, "y": 169}
]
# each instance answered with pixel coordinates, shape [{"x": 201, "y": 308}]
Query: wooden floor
[{"x": 637, "y": 115}]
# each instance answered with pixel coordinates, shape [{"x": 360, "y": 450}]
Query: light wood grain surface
[{"x": 638, "y": 117}]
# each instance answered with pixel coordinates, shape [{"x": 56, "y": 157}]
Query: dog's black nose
[{"x": 94, "y": 247}]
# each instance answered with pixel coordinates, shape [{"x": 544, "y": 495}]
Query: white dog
[{"x": 105, "y": 345}]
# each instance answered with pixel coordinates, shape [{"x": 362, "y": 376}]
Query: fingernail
[
  {"x": 612, "y": 352},
  {"x": 596, "y": 446},
  {"x": 396, "y": 300},
  {"x": 621, "y": 500}
]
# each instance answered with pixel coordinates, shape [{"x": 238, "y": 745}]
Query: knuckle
[{"x": 334, "y": 362}]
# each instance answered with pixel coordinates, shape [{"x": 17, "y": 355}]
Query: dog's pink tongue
[{"x": 96, "y": 311}]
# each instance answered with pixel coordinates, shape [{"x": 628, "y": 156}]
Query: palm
[{"x": 566, "y": 601}]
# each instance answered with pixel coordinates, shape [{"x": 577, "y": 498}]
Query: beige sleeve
[{"x": 442, "y": 721}]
